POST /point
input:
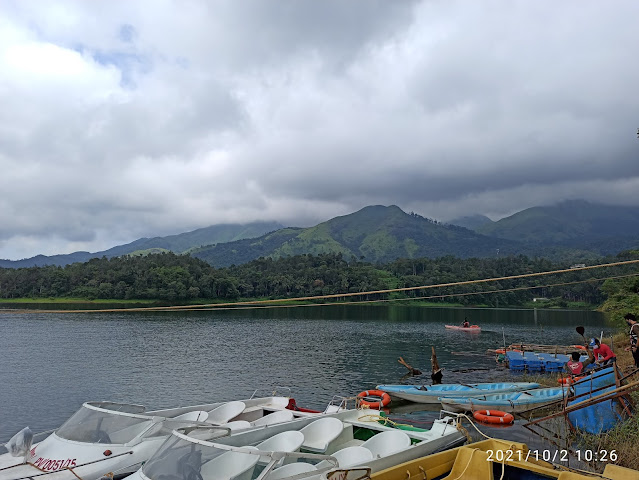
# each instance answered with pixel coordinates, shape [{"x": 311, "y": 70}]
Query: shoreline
[{"x": 106, "y": 302}]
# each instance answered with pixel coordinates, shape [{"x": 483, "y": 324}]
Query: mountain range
[
  {"x": 180, "y": 243},
  {"x": 572, "y": 230}
]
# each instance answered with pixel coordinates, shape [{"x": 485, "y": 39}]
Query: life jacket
[
  {"x": 575, "y": 367},
  {"x": 633, "y": 336}
]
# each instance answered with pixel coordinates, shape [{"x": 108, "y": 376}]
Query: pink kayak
[{"x": 472, "y": 328}]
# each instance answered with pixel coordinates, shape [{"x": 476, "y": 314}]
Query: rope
[
  {"x": 342, "y": 295},
  {"x": 80, "y": 478},
  {"x": 385, "y": 421},
  {"x": 421, "y": 469},
  {"x": 429, "y": 297},
  {"x": 474, "y": 426},
  {"x": 467, "y": 465},
  {"x": 461, "y": 428}
]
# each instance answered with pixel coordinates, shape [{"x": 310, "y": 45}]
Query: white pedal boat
[
  {"x": 304, "y": 448},
  {"x": 111, "y": 438}
]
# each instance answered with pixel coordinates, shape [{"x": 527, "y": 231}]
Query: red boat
[{"x": 472, "y": 328}]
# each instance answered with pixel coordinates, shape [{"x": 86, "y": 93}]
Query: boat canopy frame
[{"x": 275, "y": 457}]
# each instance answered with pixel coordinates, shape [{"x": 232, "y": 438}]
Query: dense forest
[{"x": 174, "y": 279}]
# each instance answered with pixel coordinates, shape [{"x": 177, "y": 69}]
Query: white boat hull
[
  {"x": 56, "y": 455},
  {"x": 443, "y": 435},
  {"x": 57, "y": 458}
]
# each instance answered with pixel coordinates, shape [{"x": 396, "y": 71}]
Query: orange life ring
[
  {"x": 504, "y": 350},
  {"x": 493, "y": 416},
  {"x": 579, "y": 347},
  {"x": 568, "y": 380},
  {"x": 384, "y": 398}
]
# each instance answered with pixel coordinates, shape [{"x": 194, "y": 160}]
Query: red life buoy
[
  {"x": 384, "y": 398},
  {"x": 579, "y": 347},
  {"x": 493, "y": 416}
]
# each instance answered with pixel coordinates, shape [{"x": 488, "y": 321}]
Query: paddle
[{"x": 581, "y": 331}]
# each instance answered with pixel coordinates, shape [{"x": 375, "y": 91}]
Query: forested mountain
[
  {"x": 472, "y": 222},
  {"x": 600, "y": 229},
  {"x": 374, "y": 234},
  {"x": 575, "y": 231},
  {"x": 180, "y": 243}
]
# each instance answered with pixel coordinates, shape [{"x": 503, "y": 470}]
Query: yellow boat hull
[{"x": 476, "y": 461}]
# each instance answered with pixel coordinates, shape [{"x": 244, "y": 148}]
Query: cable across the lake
[{"x": 257, "y": 303}]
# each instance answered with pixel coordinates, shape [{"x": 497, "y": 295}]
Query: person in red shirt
[
  {"x": 603, "y": 354},
  {"x": 575, "y": 367}
]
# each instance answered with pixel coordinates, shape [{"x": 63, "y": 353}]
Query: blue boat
[
  {"x": 600, "y": 417},
  {"x": 515, "y": 402},
  {"x": 538, "y": 362},
  {"x": 431, "y": 393}
]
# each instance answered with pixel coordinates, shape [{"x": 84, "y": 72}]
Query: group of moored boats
[
  {"x": 270, "y": 438},
  {"x": 266, "y": 438}
]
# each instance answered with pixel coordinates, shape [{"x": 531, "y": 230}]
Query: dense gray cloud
[{"x": 129, "y": 119}]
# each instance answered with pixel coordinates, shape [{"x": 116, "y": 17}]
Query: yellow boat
[{"x": 494, "y": 459}]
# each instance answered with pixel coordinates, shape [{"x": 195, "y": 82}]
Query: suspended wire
[
  {"x": 430, "y": 297},
  {"x": 254, "y": 304}
]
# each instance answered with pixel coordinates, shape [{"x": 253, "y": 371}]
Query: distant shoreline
[{"x": 133, "y": 303}]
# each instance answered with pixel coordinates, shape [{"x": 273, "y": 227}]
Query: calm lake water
[{"x": 51, "y": 363}]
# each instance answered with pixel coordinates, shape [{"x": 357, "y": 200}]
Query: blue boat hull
[
  {"x": 601, "y": 417},
  {"x": 515, "y": 402},
  {"x": 432, "y": 393}
]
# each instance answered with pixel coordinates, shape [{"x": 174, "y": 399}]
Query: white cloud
[{"x": 130, "y": 119}]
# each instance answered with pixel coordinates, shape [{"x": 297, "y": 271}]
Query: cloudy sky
[{"x": 124, "y": 119}]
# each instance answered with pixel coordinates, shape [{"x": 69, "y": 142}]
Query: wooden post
[
  {"x": 436, "y": 374},
  {"x": 411, "y": 370}
]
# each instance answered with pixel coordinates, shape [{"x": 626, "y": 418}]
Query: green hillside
[
  {"x": 472, "y": 222},
  {"x": 573, "y": 231},
  {"x": 180, "y": 243},
  {"x": 242, "y": 251},
  {"x": 374, "y": 234},
  {"x": 599, "y": 229},
  {"x": 184, "y": 242}
]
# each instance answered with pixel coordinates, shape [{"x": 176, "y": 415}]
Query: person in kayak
[
  {"x": 465, "y": 323},
  {"x": 576, "y": 367},
  {"x": 601, "y": 351}
]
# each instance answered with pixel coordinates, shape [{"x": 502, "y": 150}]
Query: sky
[{"x": 129, "y": 119}]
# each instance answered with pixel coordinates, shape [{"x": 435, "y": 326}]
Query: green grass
[
  {"x": 623, "y": 439},
  {"x": 58, "y": 300}
]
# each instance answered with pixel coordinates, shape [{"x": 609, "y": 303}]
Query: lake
[{"x": 52, "y": 362}]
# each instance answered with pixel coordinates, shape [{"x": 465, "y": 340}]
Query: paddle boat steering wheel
[
  {"x": 190, "y": 465},
  {"x": 100, "y": 436},
  {"x": 189, "y": 472}
]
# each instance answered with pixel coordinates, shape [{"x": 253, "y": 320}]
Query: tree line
[{"x": 172, "y": 278}]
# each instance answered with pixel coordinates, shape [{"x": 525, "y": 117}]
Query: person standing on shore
[{"x": 631, "y": 320}]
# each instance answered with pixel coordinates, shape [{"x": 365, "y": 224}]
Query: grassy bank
[
  {"x": 202, "y": 301},
  {"x": 72, "y": 300},
  {"x": 624, "y": 438}
]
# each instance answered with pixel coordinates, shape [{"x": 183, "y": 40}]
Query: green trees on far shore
[{"x": 180, "y": 278}]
